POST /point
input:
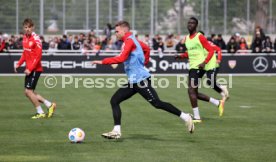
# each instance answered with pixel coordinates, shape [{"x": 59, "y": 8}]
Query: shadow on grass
[
  {"x": 141, "y": 137},
  {"x": 144, "y": 137}
]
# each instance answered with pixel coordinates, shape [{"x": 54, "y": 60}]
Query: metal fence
[{"x": 145, "y": 16}]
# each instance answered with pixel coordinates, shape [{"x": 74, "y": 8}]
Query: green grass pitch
[{"x": 246, "y": 132}]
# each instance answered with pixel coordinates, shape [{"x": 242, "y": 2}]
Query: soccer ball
[{"x": 76, "y": 135}]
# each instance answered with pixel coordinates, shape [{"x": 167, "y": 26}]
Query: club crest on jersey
[{"x": 232, "y": 63}]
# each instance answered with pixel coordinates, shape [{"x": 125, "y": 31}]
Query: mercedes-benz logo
[{"x": 260, "y": 64}]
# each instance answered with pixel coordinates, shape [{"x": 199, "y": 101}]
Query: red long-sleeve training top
[
  {"x": 127, "y": 47},
  {"x": 32, "y": 53},
  {"x": 216, "y": 49}
]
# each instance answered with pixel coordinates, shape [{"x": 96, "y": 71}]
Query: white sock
[
  {"x": 39, "y": 110},
  {"x": 47, "y": 103},
  {"x": 214, "y": 101},
  {"x": 184, "y": 116},
  {"x": 117, "y": 128},
  {"x": 196, "y": 113}
]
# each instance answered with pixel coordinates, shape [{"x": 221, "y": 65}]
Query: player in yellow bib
[
  {"x": 199, "y": 61},
  {"x": 212, "y": 69}
]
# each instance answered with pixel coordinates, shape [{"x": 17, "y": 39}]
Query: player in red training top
[{"x": 31, "y": 55}]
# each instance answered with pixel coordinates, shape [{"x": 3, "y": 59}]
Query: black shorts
[
  {"x": 211, "y": 76},
  {"x": 31, "y": 80},
  {"x": 194, "y": 76},
  {"x": 211, "y": 73}
]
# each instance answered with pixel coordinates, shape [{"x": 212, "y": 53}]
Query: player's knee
[
  {"x": 191, "y": 90},
  {"x": 28, "y": 92},
  {"x": 114, "y": 101},
  {"x": 193, "y": 96},
  {"x": 156, "y": 103},
  {"x": 192, "y": 93}
]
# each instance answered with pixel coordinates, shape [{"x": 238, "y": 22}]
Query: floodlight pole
[
  {"x": 63, "y": 14},
  {"x": 178, "y": 18},
  {"x": 151, "y": 17},
  {"x": 225, "y": 17},
  {"x": 17, "y": 26},
  {"x": 97, "y": 16},
  {"x": 110, "y": 11},
  {"x": 133, "y": 15},
  {"x": 121, "y": 10},
  {"x": 270, "y": 16},
  {"x": 41, "y": 17},
  {"x": 207, "y": 16},
  {"x": 87, "y": 14},
  {"x": 156, "y": 15},
  {"x": 202, "y": 15},
  {"x": 248, "y": 16}
]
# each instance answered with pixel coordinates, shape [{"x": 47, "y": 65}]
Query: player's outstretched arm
[
  {"x": 97, "y": 62},
  {"x": 127, "y": 47}
]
